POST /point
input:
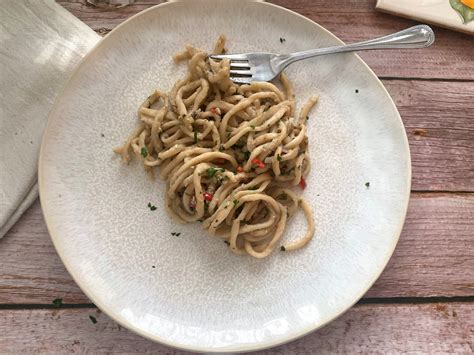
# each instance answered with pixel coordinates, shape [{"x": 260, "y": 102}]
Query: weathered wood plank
[
  {"x": 435, "y": 254},
  {"x": 426, "y": 328},
  {"x": 439, "y": 120},
  {"x": 450, "y": 57},
  {"x": 433, "y": 258}
]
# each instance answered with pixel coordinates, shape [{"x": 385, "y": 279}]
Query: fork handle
[{"x": 420, "y": 36}]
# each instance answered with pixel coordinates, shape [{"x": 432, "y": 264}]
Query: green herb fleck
[
  {"x": 278, "y": 157},
  {"x": 252, "y": 126},
  {"x": 144, "y": 152},
  {"x": 151, "y": 207},
  {"x": 282, "y": 248},
  {"x": 367, "y": 184},
  {"x": 247, "y": 155},
  {"x": 211, "y": 172},
  {"x": 195, "y": 137},
  {"x": 239, "y": 145},
  {"x": 58, "y": 302},
  {"x": 93, "y": 319},
  {"x": 236, "y": 202},
  {"x": 253, "y": 188}
]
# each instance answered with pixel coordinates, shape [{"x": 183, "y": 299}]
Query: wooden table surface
[{"x": 424, "y": 300}]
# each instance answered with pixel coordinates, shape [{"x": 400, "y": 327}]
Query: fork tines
[{"x": 240, "y": 70}]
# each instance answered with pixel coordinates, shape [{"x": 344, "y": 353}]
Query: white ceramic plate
[{"x": 190, "y": 291}]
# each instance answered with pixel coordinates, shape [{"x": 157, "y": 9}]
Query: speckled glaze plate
[{"x": 190, "y": 291}]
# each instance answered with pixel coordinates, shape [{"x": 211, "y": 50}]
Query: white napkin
[{"x": 40, "y": 44}]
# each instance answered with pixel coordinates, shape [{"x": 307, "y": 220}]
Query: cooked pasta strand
[{"x": 227, "y": 153}]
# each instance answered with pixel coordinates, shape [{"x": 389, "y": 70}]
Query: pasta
[{"x": 228, "y": 153}]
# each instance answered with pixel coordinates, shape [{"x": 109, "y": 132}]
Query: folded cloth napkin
[{"x": 40, "y": 44}]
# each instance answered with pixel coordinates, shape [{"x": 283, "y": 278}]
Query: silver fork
[{"x": 248, "y": 67}]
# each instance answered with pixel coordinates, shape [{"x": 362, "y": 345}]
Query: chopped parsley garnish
[
  {"x": 247, "y": 155},
  {"x": 367, "y": 184},
  {"x": 239, "y": 145},
  {"x": 195, "y": 137},
  {"x": 282, "y": 40},
  {"x": 58, "y": 302},
  {"x": 211, "y": 172},
  {"x": 278, "y": 157},
  {"x": 252, "y": 126},
  {"x": 282, "y": 248},
  {"x": 144, "y": 152},
  {"x": 93, "y": 319},
  {"x": 235, "y": 202},
  {"x": 151, "y": 207}
]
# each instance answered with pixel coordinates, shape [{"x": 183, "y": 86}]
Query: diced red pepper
[
  {"x": 258, "y": 162},
  {"x": 302, "y": 183},
  {"x": 192, "y": 203},
  {"x": 207, "y": 196},
  {"x": 213, "y": 110},
  {"x": 240, "y": 169}
]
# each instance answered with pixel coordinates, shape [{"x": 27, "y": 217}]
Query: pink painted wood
[
  {"x": 419, "y": 328},
  {"x": 434, "y": 91}
]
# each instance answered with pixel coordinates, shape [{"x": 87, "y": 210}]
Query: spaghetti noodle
[{"x": 226, "y": 153}]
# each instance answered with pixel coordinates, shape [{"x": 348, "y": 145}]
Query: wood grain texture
[
  {"x": 432, "y": 328},
  {"x": 439, "y": 120},
  {"x": 434, "y": 257},
  {"x": 435, "y": 254},
  {"x": 450, "y": 57}
]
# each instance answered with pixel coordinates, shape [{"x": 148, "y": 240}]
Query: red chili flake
[
  {"x": 192, "y": 203},
  {"x": 207, "y": 196},
  {"x": 258, "y": 162},
  {"x": 213, "y": 110},
  {"x": 240, "y": 169},
  {"x": 220, "y": 161},
  {"x": 302, "y": 183}
]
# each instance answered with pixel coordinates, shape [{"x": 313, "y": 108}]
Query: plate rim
[{"x": 237, "y": 347}]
